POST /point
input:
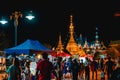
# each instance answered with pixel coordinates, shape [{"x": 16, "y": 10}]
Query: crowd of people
[{"x": 61, "y": 69}]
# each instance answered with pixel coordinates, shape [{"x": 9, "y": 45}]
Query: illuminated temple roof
[
  {"x": 72, "y": 46},
  {"x": 60, "y": 45},
  {"x": 80, "y": 45}
]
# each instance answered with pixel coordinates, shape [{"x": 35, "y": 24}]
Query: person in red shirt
[{"x": 45, "y": 68}]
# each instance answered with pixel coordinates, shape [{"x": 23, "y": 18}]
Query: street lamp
[
  {"x": 15, "y": 16},
  {"x": 3, "y": 21},
  {"x": 30, "y": 16}
]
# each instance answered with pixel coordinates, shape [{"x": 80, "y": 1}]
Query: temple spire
[
  {"x": 81, "y": 39},
  {"x": 97, "y": 42},
  {"x": 96, "y": 35},
  {"x": 71, "y": 20},
  {"x": 86, "y": 43},
  {"x": 60, "y": 45},
  {"x": 72, "y": 46},
  {"x": 71, "y": 27}
]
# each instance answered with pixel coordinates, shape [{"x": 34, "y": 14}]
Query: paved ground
[
  {"x": 98, "y": 78},
  {"x": 4, "y": 74}
]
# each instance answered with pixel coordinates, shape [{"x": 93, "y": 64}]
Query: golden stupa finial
[
  {"x": 60, "y": 37},
  {"x": 71, "y": 20}
]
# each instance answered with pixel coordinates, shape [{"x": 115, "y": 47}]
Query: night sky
[{"x": 52, "y": 18}]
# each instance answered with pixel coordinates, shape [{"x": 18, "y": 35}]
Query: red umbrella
[
  {"x": 83, "y": 55},
  {"x": 63, "y": 54},
  {"x": 54, "y": 54}
]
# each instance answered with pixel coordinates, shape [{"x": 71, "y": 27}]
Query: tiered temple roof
[
  {"x": 78, "y": 48},
  {"x": 60, "y": 45},
  {"x": 72, "y": 46}
]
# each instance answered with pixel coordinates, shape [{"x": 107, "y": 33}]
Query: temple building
[
  {"x": 72, "y": 45},
  {"x": 60, "y": 45},
  {"x": 92, "y": 46},
  {"x": 80, "y": 45}
]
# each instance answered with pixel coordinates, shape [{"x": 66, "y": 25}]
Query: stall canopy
[{"x": 26, "y": 47}]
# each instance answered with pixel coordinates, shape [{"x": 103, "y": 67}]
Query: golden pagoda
[
  {"x": 72, "y": 46},
  {"x": 60, "y": 45}
]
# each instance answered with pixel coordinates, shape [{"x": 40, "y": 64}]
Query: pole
[
  {"x": 15, "y": 16},
  {"x": 15, "y": 26},
  {"x": 15, "y": 34}
]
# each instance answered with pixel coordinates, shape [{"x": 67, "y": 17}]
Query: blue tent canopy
[{"x": 26, "y": 47}]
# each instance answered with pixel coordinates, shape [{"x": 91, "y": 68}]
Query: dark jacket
[{"x": 116, "y": 74}]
